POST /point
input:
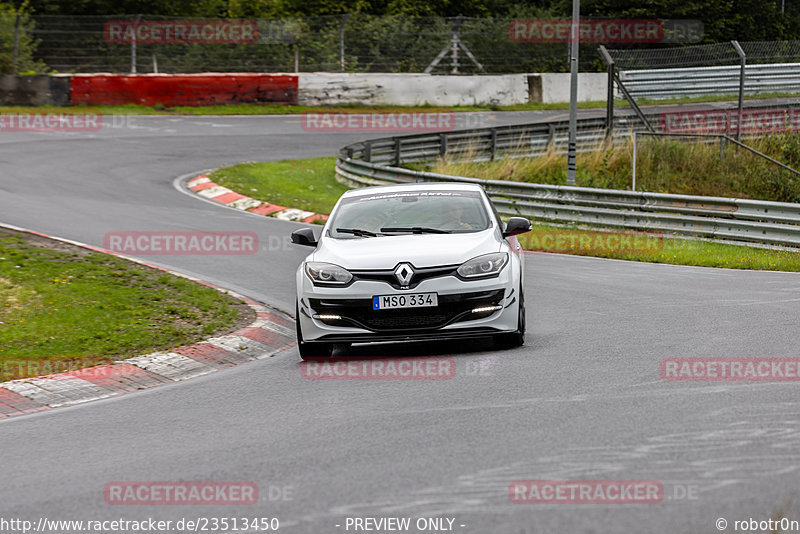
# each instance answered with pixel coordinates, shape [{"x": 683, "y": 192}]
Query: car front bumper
[{"x": 453, "y": 317}]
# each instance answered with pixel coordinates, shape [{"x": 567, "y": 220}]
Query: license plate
[{"x": 411, "y": 300}]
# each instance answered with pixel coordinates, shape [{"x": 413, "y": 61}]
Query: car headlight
[
  {"x": 486, "y": 265},
  {"x": 327, "y": 273}
]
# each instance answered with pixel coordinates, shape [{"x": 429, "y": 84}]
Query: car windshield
[{"x": 401, "y": 213}]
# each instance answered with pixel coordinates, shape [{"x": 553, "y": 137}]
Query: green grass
[
  {"x": 659, "y": 249},
  {"x": 63, "y": 308},
  {"x": 289, "y": 181},
  {"x": 307, "y": 184}
]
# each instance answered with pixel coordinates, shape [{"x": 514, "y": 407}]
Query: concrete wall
[
  {"x": 421, "y": 89},
  {"x": 302, "y": 88},
  {"x": 555, "y": 87},
  {"x": 411, "y": 89}
]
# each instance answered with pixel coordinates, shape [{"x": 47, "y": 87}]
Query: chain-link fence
[
  {"x": 737, "y": 69},
  {"x": 682, "y": 56},
  {"x": 706, "y": 55},
  {"x": 351, "y": 43}
]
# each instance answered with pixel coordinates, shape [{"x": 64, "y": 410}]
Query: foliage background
[{"x": 380, "y": 35}]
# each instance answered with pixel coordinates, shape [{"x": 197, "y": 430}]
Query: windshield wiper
[
  {"x": 356, "y": 231},
  {"x": 416, "y": 230}
]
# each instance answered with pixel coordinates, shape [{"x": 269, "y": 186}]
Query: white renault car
[{"x": 411, "y": 262}]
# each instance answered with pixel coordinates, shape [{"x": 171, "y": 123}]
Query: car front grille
[
  {"x": 420, "y": 274},
  {"x": 412, "y": 321},
  {"x": 451, "y": 308}
]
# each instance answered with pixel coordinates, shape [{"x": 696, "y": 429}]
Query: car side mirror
[
  {"x": 305, "y": 237},
  {"x": 517, "y": 225}
]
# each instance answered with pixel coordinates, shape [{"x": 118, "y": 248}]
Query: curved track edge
[{"x": 270, "y": 333}]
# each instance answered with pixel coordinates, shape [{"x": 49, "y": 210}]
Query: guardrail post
[
  {"x": 442, "y": 145},
  {"x": 633, "y": 163},
  {"x": 610, "y": 93},
  {"x": 494, "y": 144},
  {"x": 397, "y": 149},
  {"x": 742, "y": 64},
  {"x": 551, "y": 135},
  {"x": 368, "y": 152}
]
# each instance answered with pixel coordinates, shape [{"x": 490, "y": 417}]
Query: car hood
[{"x": 421, "y": 250}]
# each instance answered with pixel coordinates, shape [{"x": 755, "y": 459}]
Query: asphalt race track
[{"x": 582, "y": 400}]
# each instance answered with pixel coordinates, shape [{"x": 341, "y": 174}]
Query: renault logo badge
[{"x": 404, "y": 273}]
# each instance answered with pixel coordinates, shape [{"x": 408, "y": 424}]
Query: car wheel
[
  {"x": 309, "y": 350},
  {"x": 514, "y": 339}
]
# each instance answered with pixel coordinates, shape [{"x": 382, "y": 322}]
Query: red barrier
[{"x": 183, "y": 89}]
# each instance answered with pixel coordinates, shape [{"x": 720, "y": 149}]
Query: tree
[{"x": 17, "y": 20}]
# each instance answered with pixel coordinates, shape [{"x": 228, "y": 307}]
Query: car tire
[
  {"x": 309, "y": 350},
  {"x": 514, "y": 339}
]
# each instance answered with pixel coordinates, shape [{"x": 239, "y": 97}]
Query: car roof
[{"x": 423, "y": 186}]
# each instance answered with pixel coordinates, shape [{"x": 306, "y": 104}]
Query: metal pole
[
  {"x": 610, "y": 102},
  {"x": 341, "y": 40},
  {"x": 133, "y": 44},
  {"x": 573, "y": 92},
  {"x": 454, "y": 40},
  {"x": 632, "y": 102},
  {"x": 16, "y": 44},
  {"x": 454, "y": 52},
  {"x": 742, "y": 61},
  {"x": 610, "y": 93},
  {"x": 296, "y": 59},
  {"x": 633, "y": 163}
]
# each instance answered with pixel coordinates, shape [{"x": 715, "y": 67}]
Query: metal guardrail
[
  {"x": 486, "y": 144},
  {"x": 700, "y": 81},
  {"x": 376, "y": 162}
]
